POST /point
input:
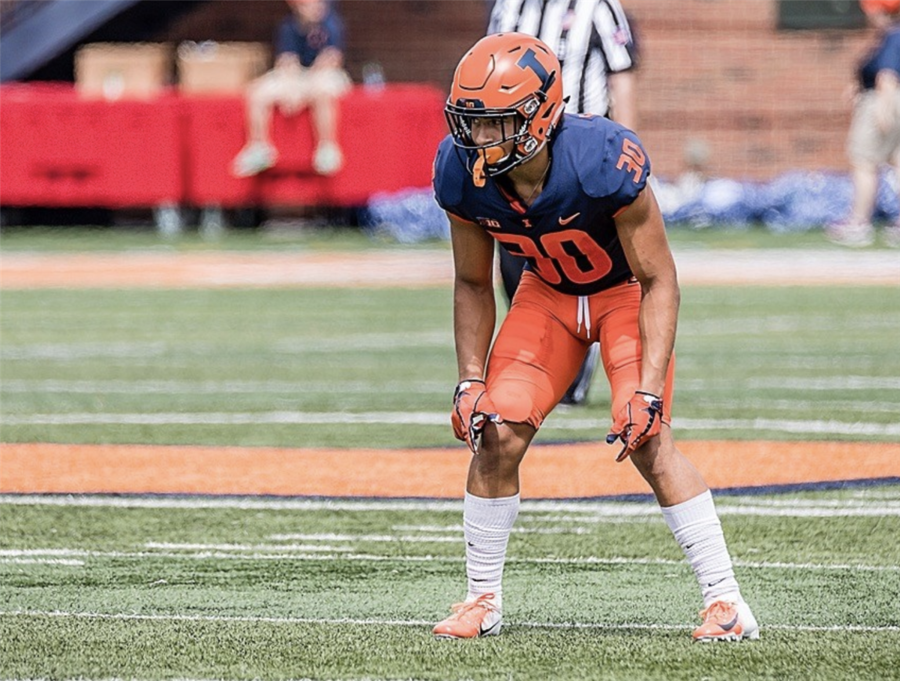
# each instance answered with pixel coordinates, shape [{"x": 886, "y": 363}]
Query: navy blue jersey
[
  {"x": 308, "y": 42},
  {"x": 568, "y": 235},
  {"x": 885, "y": 56}
]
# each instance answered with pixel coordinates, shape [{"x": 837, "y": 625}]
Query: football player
[
  {"x": 598, "y": 54},
  {"x": 569, "y": 193}
]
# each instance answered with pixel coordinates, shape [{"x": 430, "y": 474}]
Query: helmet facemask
[{"x": 515, "y": 125}]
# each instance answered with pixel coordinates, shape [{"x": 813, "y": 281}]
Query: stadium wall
[{"x": 717, "y": 78}]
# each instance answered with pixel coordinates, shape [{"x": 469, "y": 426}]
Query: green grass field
[
  {"x": 279, "y": 366},
  {"x": 237, "y": 588},
  {"x": 99, "y": 588}
]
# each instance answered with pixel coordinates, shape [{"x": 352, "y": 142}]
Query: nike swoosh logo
[
  {"x": 728, "y": 626},
  {"x": 566, "y": 221},
  {"x": 487, "y": 632}
]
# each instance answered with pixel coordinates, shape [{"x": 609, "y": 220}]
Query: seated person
[{"x": 308, "y": 72}]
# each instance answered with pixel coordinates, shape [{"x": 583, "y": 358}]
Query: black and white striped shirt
[{"x": 591, "y": 38}]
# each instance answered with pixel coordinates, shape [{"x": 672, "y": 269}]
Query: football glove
[
  {"x": 637, "y": 422},
  {"x": 472, "y": 409}
]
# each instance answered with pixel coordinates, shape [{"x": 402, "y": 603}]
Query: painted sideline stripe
[
  {"x": 624, "y": 626},
  {"x": 375, "y": 558},
  {"x": 818, "y": 427},
  {"x": 826, "y": 508}
]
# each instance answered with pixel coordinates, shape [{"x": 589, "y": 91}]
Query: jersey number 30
[
  {"x": 632, "y": 159},
  {"x": 571, "y": 252}
]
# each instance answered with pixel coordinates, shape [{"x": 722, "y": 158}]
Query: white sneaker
[
  {"x": 852, "y": 234},
  {"x": 892, "y": 236},
  {"x": 253, "y": 159},
  {"x": 328, "y": 159},
  {"x": 727, "y": 621}
]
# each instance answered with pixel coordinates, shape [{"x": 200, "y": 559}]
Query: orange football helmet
[{"x": 511, "y": 77}]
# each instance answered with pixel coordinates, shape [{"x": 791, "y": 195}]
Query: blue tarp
[{"x": 792, "y": 202}]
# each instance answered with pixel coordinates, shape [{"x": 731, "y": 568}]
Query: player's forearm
[
  {"x": 474, "y": 316},
  {"x": 658, "y": 322}
]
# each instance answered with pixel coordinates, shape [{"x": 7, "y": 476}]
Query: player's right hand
[{"x": 472, "y": 409}]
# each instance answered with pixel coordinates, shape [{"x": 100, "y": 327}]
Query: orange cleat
[
  {"x": 471, "y": 620},
  {"x": 727, "y": 621}
]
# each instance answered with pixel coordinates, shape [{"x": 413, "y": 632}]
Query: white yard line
[
  {"x": 299, "y": 548},
  {"x": 531, "y": 510},
  {"x": 559, "y": 422},
  {"x": 41, "y": 561},
  {"x": 271, "y": 553},
  {"x": 172, "y": 387},
  {"x": 625, "y": 626},
  {"x": 885, "y": 404}
]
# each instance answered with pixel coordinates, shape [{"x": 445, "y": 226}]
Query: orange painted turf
[{"x": 550, "y": 471}]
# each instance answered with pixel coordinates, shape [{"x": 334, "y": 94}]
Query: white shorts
[{"x": 291, "y": 89}]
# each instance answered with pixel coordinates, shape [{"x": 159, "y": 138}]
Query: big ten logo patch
[{"x": 489, "y": 223}]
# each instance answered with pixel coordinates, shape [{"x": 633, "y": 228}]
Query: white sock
[
  {"x": 698, "y": 531},
  {"x": 487, "y": 524}
]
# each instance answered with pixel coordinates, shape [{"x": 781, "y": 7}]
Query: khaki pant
[
  {"x": 292, "y": 89},
  {"x": 865, "y": 142}
]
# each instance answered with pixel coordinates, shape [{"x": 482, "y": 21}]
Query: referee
[{"x": 598, "y": 54}]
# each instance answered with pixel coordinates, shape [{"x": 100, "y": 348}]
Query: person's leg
[
  {"x": 261, "y": 99},
  {"x": 327, "y": 87},
  {"x": 523, "y": 393},
  {"x": 511, "y": 267},
  {"x": 679, "y": 488},
  {"x": 258, "y": 154},
  {"x": 490, "y": 509},
  {"x": 865, "y": 148},
  {"x": 328, "y": 158},
  {"x": 865, "y": 190},
  {"x": 690, "y": 513},
  {"x": 492, "y": 504},
  {"x": 892, "y": 231},
  {"x": 857, "y": 230},
  {"x": 324, "y": 118}
]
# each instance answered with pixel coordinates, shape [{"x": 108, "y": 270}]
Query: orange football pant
[{"x": 543, "y": 340}]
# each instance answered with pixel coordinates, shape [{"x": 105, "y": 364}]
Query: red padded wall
[{"x": 59, "y": 150}]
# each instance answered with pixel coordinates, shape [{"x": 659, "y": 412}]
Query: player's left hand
[
  {"x": 472, "y": 409},
  {"x": 637, "y": 422}
]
